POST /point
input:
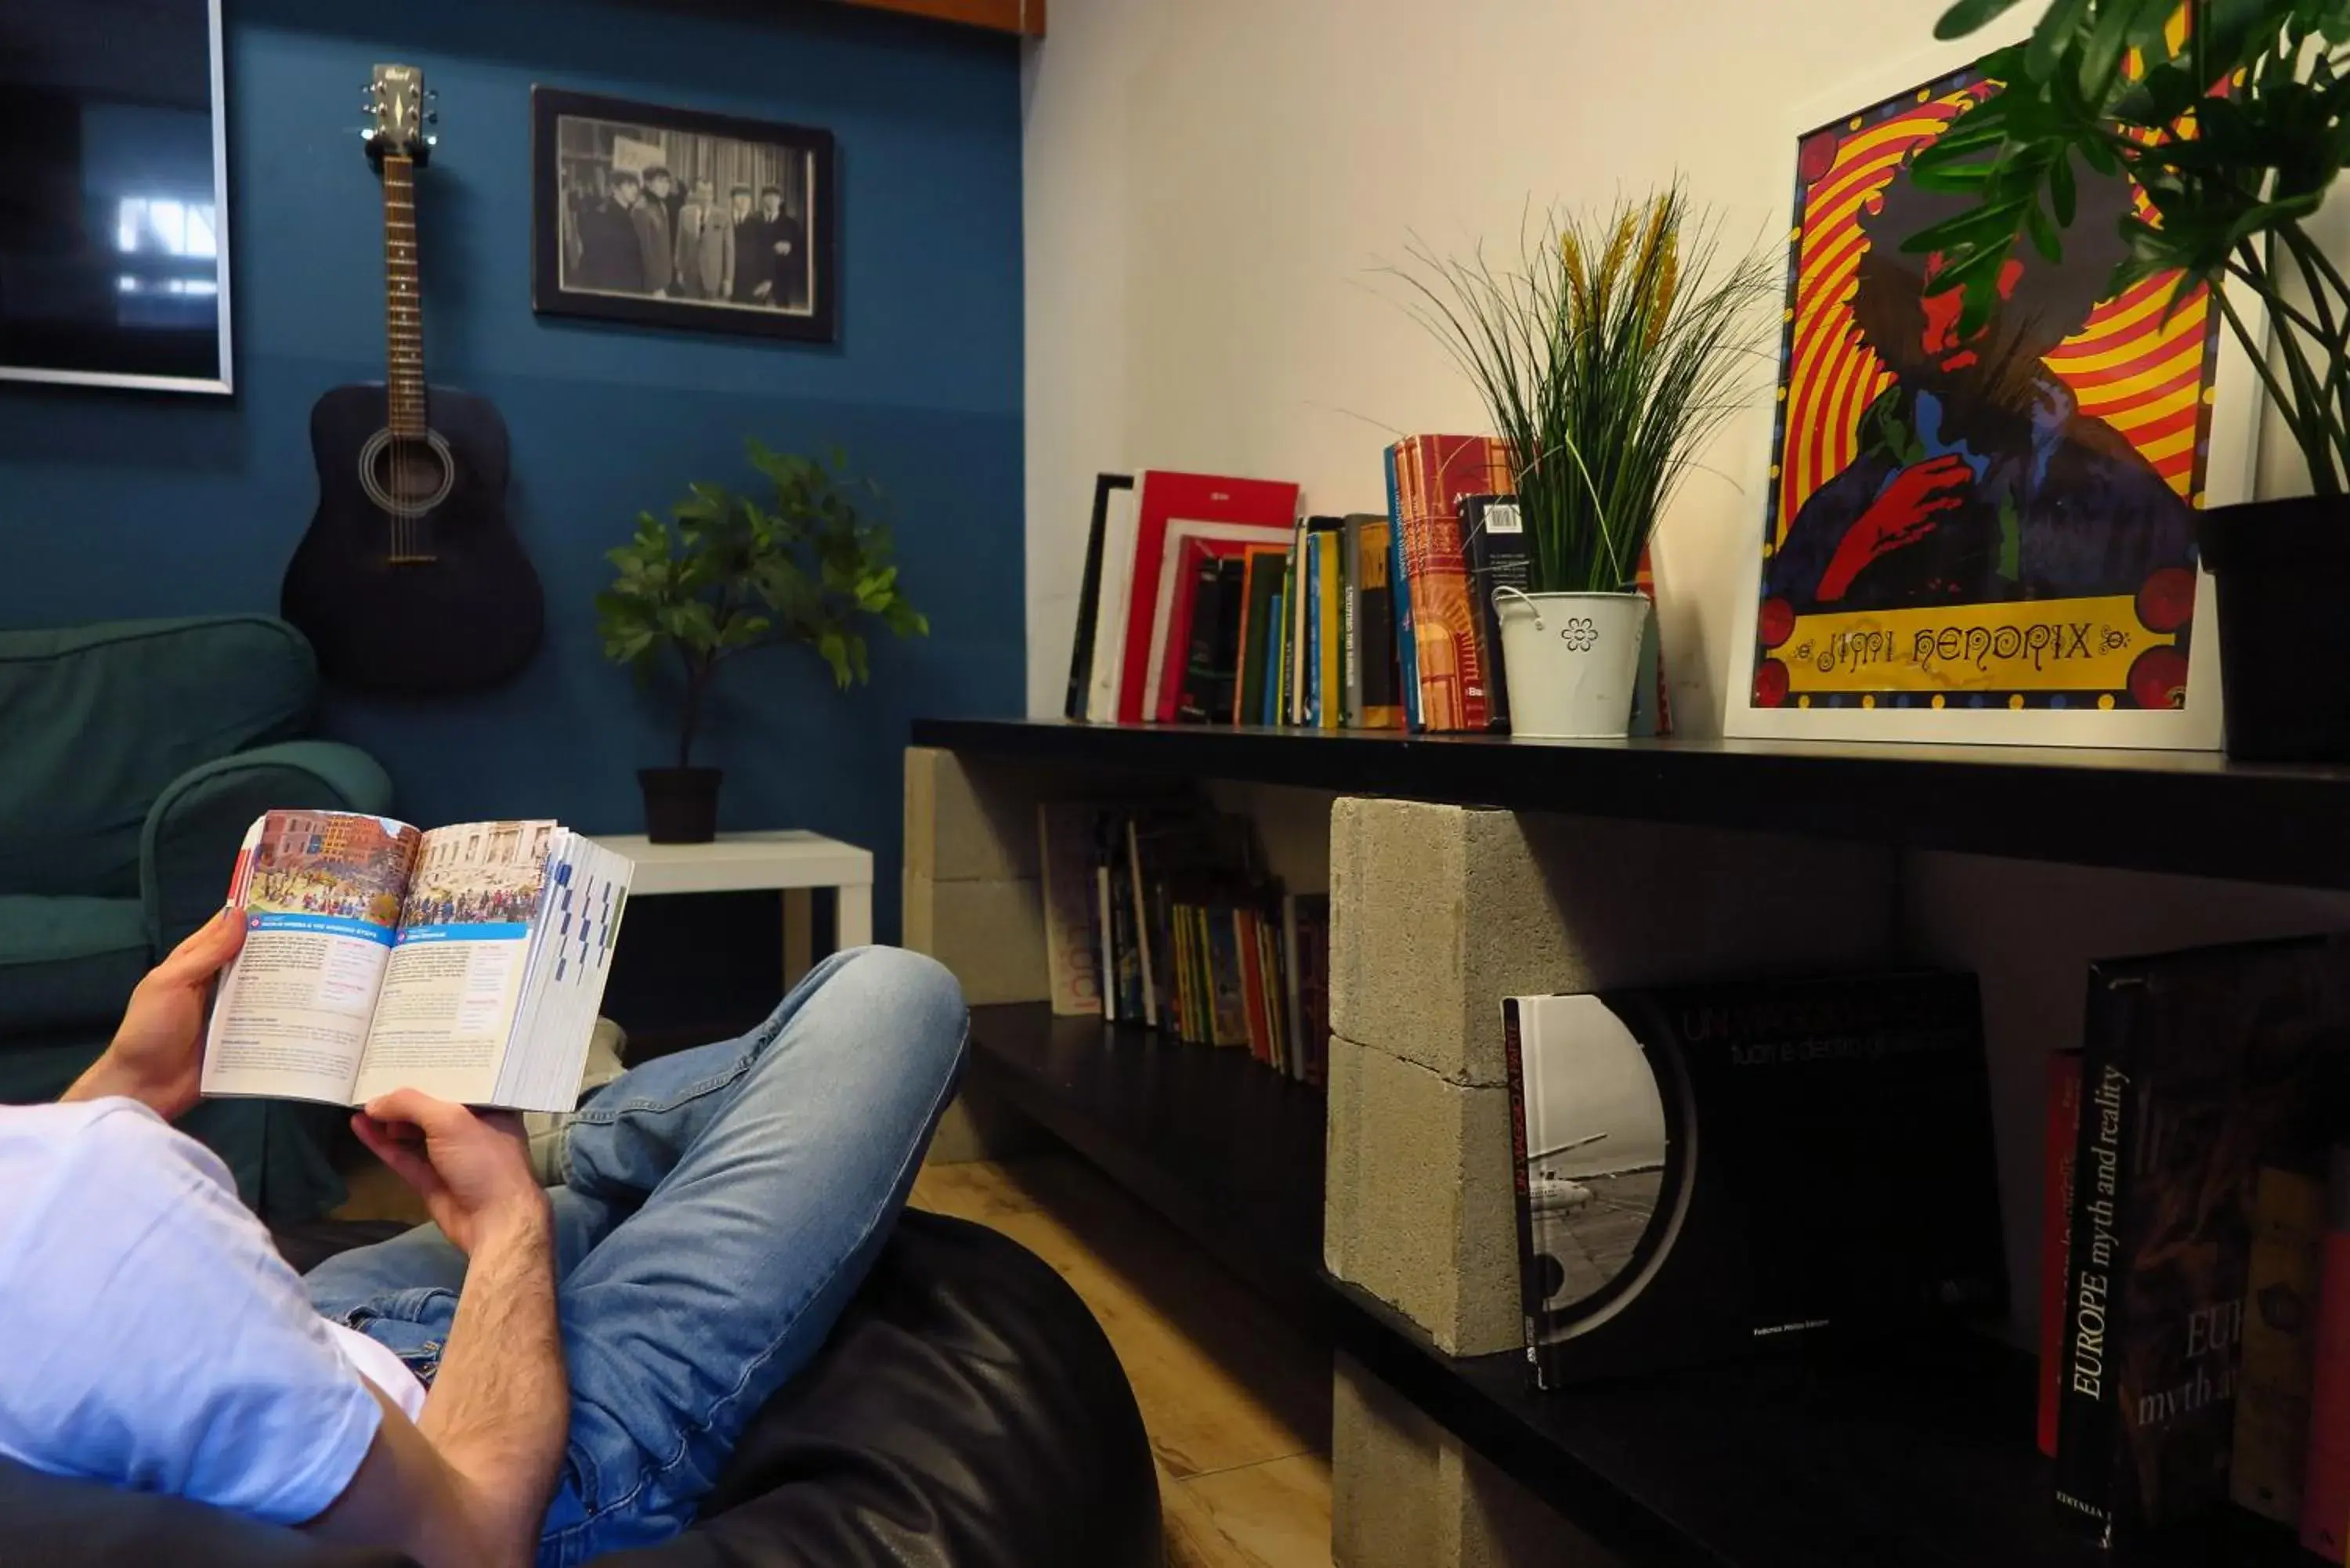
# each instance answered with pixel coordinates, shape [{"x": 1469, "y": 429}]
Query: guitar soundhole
[{"x": 405, "y": 477}]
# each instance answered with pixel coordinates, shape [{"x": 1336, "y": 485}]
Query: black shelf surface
[
  {"x": 2192, "y": 813},
  {"x": 1914, "y": 1452},
  {"x": 1227, "y": 1150}
]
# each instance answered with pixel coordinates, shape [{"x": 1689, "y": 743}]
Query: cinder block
[
  {"x": 1419, "y": 1198},
  {"x": 1437, "y": 912},
  {"x": 991, "y": 933},
  {"x": 1405, "y": 1494},
  {"x": 969, "y": 820}
]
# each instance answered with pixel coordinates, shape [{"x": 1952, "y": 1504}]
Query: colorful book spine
[
  {"x": 1227, "y": 994},
  {"x": 1432, "y": 473},
  {"x": 2325, "y": 1479},
  {"x": 1378, "y": 705},
  {"x": 1312, "y": 567},
  {"x": 1330, "y": 668},
  {"x": 1276, "y": 671},
  {"x": 1350, "y": 619},
  {"x": 1400, "y": 592},
  {"x": 1493, "y": 537},
  {"x": 2272, "y": 1396},
  {"x": 1260, "y": 595},
  {"x": 1204, "y": 637},
  {"x": 2062, "y": 1146}
]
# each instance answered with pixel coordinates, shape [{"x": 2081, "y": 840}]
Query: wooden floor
[{"x": 1237, "y": 1403}]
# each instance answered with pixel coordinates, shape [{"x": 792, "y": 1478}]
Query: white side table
[{"x": 789, "y": 860}]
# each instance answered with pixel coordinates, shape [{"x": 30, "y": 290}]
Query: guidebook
[{"x": 467, "y": 962}]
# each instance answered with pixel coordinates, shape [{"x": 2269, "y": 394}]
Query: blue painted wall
[{"x": 114, "y": 504}]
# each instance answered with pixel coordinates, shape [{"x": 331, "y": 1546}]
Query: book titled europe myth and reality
[
  {"x": 467, "y": 962},
  {"x": 1709, "y": 1168},
  {"x": 2201, "y": 1071}
]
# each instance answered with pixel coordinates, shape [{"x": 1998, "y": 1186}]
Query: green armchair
[{"x": 133, "y": 755}]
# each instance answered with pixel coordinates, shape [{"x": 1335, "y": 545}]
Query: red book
[
  {"x": 2325, "y": 1484},
  {"x": 1432, "y": 473},
  {"x": 1260, "y": 1041},
  {"x": 2064, "y": 1145},
  {"x": 1188, "y": 506}
]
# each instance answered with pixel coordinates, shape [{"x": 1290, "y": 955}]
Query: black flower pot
[
  {"x": 680, "y": 803},
  {"x": 2282, "y": 568}
]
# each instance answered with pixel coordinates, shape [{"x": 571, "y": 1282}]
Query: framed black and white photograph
[{"x": 673, "y": 217}]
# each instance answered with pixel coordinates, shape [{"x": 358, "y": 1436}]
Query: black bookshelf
[
  {"x": 1915, "y": 1451},
  {"x": 2192, "y": 813},
  {"x": 1226, "y": 1149}
]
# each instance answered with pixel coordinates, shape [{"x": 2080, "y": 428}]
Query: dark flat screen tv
[{"x": 114, "y": 215}]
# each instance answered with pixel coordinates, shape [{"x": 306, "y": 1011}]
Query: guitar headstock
[{"x": 395, "y": 99}]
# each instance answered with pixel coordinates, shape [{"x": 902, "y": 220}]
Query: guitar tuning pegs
[
  {"x": 433, "y": 93},
  {"x": 432, "y": 116},
  {"x": 368, "y": 133},
  {"x": 431, "y": 142}
]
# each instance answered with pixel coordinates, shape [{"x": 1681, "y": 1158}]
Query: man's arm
[
  {"x": 499, "y": 1407},
  {"x": 469, "y": 1484},
  {"x": 156, "y": 1056}
]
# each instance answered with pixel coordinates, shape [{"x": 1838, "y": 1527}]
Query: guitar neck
[{"x": 404, "y": 318}]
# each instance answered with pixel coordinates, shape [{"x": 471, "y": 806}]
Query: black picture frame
[{"x": 592, "y": 250}]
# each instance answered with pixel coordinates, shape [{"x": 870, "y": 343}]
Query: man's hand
[
  {"x": 1907, "y": 511},
  {"x": 157, "y": 1056},
  {"x": 472, "y": 1168}
]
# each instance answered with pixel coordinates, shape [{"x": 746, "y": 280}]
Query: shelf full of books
[
  {"x": 1160, "y": 913},
  {"x": 2194, "y": 1373},
  {"x": 1209, "y": 599}
]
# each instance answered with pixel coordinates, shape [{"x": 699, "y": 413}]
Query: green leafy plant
[
  {"x": 1607, "y": 362},
  {"x": 727, "y": 574},
  {"x": 2235, "y": 135}
]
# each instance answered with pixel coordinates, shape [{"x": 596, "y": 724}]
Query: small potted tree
[
  {"x": 2235, "y": 132},
  {"x": 726, "y": 574},
  {"x": 1605, "y": 362}
]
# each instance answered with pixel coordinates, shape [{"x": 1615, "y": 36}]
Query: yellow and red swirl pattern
[{"x": 2129, "y": 366}]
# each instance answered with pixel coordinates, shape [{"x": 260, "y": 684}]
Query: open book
[{"x": 467, "y": 962}]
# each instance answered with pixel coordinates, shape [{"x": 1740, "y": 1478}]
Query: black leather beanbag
[{"x": 966, "y": 1413}]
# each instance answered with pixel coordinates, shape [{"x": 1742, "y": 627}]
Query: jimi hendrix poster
[{"x": 1985, "y": 537}]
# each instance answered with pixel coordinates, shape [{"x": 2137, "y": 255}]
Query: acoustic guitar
[{"x": 410, "y": 580}]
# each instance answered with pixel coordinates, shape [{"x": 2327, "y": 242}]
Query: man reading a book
[{"x": 544, "y": 1373}]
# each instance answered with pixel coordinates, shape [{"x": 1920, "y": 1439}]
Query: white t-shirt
[{"x": 150, "y": 1335}]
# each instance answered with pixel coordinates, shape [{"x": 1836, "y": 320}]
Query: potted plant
[
  {"x": 726, "y": 574},
  {"x": 1605, "y": 364},
  {"x": 2235, "y": 134}
]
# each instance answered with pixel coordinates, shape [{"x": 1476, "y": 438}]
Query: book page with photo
[
  {"x": 451, "y": 989},
  {"x": 321, "y": 892}
]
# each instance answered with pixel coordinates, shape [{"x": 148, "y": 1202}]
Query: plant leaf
[
  {"x": 1968, "y": 15},
  {"x": 2052, "y": 38}
]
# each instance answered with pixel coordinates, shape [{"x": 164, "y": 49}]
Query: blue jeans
[{"x": 719, "y": 1207}]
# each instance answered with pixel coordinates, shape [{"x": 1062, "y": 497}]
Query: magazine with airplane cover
[{"x": 1705, "y": 1169}]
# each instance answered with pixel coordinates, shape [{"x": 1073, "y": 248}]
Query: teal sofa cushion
[
  {"x": 98, "y": 719},
  {"x": 66, "y": 960}
]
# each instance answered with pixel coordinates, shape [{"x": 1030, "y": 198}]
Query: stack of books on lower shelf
[
  {"x": 1159, "y": 914},
  {"x": 2195, "y": 1289}
]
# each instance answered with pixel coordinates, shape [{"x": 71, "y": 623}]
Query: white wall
[{"x": 1209, "y": 187}]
